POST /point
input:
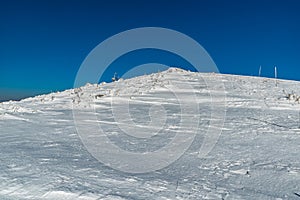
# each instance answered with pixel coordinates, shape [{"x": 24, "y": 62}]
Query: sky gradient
[{"x": 43, "y": 43}]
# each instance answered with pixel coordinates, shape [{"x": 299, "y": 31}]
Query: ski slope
[{"x": 255, "y": 157}]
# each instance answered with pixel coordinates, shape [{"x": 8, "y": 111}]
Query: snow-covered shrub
[
  {"x": 115, "y": 77},
  {"x": 292, "y": 96}
]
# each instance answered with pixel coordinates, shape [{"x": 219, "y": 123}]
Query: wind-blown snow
[{"x": 256, "y": 156}]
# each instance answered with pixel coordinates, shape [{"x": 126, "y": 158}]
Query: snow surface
[{"x": 256, "y": 156}]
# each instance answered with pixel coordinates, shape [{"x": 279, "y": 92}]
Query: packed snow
[{"x": 255, "y": 157}]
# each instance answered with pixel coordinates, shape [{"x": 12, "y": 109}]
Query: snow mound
[{"x": 255, "y": 157}]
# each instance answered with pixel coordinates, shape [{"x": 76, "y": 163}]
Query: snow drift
[{"x": 255, "y": 157}]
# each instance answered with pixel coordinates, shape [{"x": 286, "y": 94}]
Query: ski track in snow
[{"x": 256, "y": 157}]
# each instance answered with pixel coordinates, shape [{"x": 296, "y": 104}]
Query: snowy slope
[{"x": 255, "y": 157}]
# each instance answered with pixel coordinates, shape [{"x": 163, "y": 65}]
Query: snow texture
[{"x": 256, "y": 156}]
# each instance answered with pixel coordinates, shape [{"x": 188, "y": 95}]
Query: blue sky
[{"x": 43, "y": 43}]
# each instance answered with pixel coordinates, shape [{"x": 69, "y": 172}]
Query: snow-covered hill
[{"x": 43, "y": 155}]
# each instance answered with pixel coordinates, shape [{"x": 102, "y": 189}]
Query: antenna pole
[{"x": 276, "y": 76}]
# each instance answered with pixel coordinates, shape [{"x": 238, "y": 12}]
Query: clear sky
[{"x": 43, "y": 43}]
